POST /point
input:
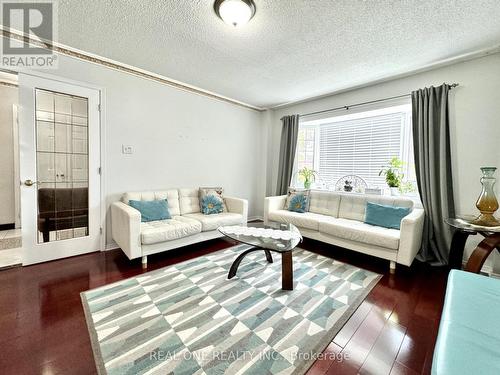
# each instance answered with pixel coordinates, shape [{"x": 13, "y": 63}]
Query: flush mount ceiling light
[{"x": 235, "y": 12}]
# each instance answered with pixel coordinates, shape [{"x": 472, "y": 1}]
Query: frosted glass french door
[{"x": 59, "y": 169}]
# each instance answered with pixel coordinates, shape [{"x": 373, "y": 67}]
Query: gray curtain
[
  {"x": 431, "y": 140},
  {"x": 289, "y": 134}
]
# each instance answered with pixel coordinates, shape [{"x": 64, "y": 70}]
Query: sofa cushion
[
  {"x": 211, "y": 204},
  {"x": 324, "y": 202},
  {"x": 296, "y": 196},
  {"x": 168, "y": 230},
  {"x": 308, "y": 220},
  {"x": 298, "y": 203},
  {"x": 216, "y": 192},
  {"x": 152, "y": 210},
  {"x": 385, "y": 216},
  {"x": 360, "y": 232},
  {"x": 353, "y": 206},
  {"x": 171, "y": 195},
  {"x": 212, "y": 222},
  {"x": 189, "y": 201}
]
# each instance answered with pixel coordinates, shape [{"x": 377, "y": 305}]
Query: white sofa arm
[
  {"x": 273, "y": 204},
  {"x": 412, "y": 227},
  {"x": 238, "y": 206},
  {"x": 126, "y": 229}
]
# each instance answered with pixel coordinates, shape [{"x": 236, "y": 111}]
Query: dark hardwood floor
[{"x": 43, "y": 330}]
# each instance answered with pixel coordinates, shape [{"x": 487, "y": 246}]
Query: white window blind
[
  {"x": 360, "y": 147},
  {"x": 358, "y": 143}
]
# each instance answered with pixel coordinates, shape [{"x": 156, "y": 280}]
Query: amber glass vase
[{"x": 487, "y": 203}]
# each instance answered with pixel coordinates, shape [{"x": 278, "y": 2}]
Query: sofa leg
[
  {"x": 144, "y": 262},
  {"x": 392, "y": 266}
]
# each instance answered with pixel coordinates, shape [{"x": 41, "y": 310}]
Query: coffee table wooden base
[{"x": 286, "y": 266}]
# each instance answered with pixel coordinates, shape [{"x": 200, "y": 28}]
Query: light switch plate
[{"x": 127, "y": 149}]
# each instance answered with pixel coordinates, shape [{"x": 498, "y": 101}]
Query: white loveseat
[
  {"x": 187, "y": 226},
  {"x": 338, "y": 219}
]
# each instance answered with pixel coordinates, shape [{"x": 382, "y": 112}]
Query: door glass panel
[
  {"x": 62, "y": 166},
  {"x": 45, "y": 136}
]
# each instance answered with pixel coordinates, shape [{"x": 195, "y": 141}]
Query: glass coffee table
[{"x": 279, "y": 238}]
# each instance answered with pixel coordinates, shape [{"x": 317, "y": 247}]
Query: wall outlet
[{"x": 127, "y": 149}]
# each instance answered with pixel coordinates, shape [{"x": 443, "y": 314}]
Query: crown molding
[
  {"x": 119, "y": 66},
  {"x": 438, "y": 64},
  {"x": 8, "y": 84},
  {"x": 138, "y": 72}
]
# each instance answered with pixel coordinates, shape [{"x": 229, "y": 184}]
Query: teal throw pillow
[
  {"x": 385, "y": 216},
  {"x": 211, "y": 204},
  {"x": 298, "y": 203},
  {"x": 152, "y": 210},
  {"x": 217, "y": 191},
  {"x": 292, "y": 193}
]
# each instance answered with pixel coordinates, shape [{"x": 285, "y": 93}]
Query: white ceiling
[{"x": 290, "y": 50}]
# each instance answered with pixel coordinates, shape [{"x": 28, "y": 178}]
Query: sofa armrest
[
  {"x": 238, "y": 206},
  {"x": 273, "y": 204},
  {"x": 126, "y": 229},
  {"x": 410, "y": 239}
]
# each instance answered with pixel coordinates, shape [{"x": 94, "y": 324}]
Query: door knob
[{"x": 29, "y": 182}]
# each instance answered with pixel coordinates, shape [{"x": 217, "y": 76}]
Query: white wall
[
  {"x": 474, "y": 120},
  {"x": 180, "y": 139},
  {"x": 8, "y": 97}
]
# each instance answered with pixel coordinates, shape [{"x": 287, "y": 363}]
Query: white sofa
[
  {"x": 187, "y": 226},
  {"x": 338, "y": 219}
]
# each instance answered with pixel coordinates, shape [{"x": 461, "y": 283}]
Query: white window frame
[{"x": 362, "y": 112}]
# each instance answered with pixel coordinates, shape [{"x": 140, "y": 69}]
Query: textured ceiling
[{"x": 290, "y": 50}]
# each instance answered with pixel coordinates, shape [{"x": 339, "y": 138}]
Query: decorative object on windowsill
[
  {"x": 348, "y": 185},
  {"x": 487, "y": 203},
  {"x": 308, "y": 175},
  {"x": 394, "y": 177},
  {"x": 355, "y": 183}
]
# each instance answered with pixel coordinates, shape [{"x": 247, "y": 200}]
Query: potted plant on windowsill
[
  {"x": 308, "y": 175},
  {"x": 393, "y": 175}
]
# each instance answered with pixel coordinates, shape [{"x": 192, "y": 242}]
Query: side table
[{"x": 463, "y": 229}]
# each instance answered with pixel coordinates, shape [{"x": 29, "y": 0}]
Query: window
[
  {"x": 305, "y": 148},
  {"x": 357, "y": 144}
]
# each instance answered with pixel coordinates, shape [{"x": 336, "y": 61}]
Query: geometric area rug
[{"x": 188, "y": 318}]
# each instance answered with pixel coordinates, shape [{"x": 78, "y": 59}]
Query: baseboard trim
[
  {"x": 111, "y": 246},
  {"x": 7, "y": 226}
]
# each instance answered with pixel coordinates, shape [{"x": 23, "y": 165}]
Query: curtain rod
[{"x": 346, "y": 107}]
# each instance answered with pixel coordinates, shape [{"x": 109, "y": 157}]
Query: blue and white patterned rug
[{"x": 188, "y": 318}]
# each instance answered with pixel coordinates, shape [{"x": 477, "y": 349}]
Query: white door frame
[
  {"x": 17, "y": 195},
  {"x": 102, "y": 125},
  {"x": 102, "y": 141}
]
